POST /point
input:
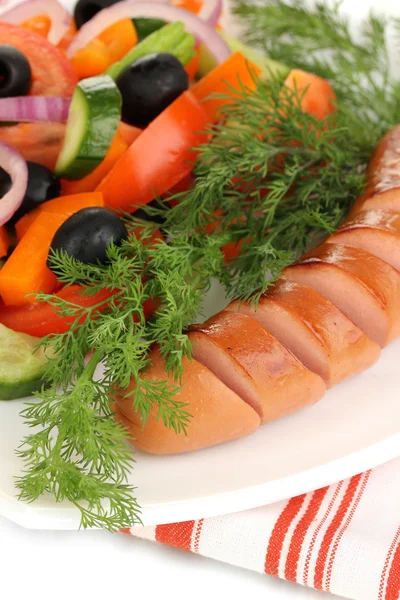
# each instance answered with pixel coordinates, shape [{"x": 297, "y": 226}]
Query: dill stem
[{"x": 90, "y": 367}]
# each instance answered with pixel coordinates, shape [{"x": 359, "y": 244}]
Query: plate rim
[{"x": 31, "y": 516}]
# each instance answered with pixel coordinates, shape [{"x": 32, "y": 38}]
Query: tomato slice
[
  {"x": 37, "y": 142},
  {"x": 40, "y": 319},
  {"x": 160, "y": 157},
  {"x": 52, "y": 73}
]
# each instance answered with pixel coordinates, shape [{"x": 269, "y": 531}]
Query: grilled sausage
[{"x": 321, "y": 323}]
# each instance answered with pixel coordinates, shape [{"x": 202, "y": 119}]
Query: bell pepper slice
[
  {"x": 63, "y": 206},
  {"x": 25, "y": 272},
  {"x": 161, "y": 156},
  {"x": 119, "y": 39},
  {"x": 40, "y": 24},
  {"x": 230, "y": 76},
  {"x": 317, "y": 96},
  {"x": 4, "y": 241},
  {"x": 91, "y": 60},
  {"x": 91, "y": 181}
]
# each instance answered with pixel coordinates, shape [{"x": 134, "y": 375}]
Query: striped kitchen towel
[{"x": 343, "y": 539}]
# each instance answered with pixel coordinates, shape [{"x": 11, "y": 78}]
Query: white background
[
  {"x": 80, "y": 565},
  {"x": 98, "y": 565}
]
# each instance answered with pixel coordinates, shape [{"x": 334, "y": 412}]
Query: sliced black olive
[
  {"x": 149, "y": 215},
  {"x": 87, "y": 234},
  {"x": 149, "y": 85},
  {"x": 86, "y": 9},
  {"x": 15, "y": 72},
  {"x": 43, "y": 185}
]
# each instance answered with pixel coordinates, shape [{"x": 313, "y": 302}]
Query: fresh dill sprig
[
  {"x": 78, "y": 452},
  {"x": 271, "y": 181},
  {"x": 323, "y": 41}
]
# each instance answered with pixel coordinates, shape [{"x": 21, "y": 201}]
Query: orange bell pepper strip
[
  {"x": 63, "y": 206},
  {"x": 91, "y": 181},
  {"x": 193, "y": 6},
  {"x": 25, "y": 272},
  {"x": 193, "y": 65},
  {"x": 161, "y": 156},
  {"x": 110, "y": 46},
  {"x": 91, "y": 60},
  {"x": 23, "y": 224},
  {"x": 5, "y": 242},
  {"x": 230, "y": 76},
  {"x": 40, "y": 24},
  {"x": 119, "y": 39},
  {"x": 68, "y": 37},
  {"x": 129, "y": 133},
  {"x": 318, "y": 98}
]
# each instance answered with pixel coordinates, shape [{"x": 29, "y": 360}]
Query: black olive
[
  {"x": 145, "y": 215},
  {"x": 43, "y": 185},
  {"x": 149, "y": 85},
  {"x": 87, "y": 234},
  {"x": 15, "y": 72},
  {"x": 86, "y": 9}
]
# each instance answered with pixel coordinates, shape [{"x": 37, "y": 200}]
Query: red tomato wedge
[
  {"x": 37, "y": 142},
  {"x": 52, "y": 73},
  {"x": 318, "y": 96},
  {"x": 40, "y": 318},
  {"x": 160, "y": 157}
]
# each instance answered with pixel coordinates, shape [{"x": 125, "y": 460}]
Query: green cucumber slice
[
  {"x": 21, "y": 368},
  {"x": 93, "y": 118},
  {"x": 172, "y": 38},
  {"x": 144, "y": 27}
]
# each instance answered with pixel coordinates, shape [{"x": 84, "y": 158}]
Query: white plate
[{"x": 355, "y": 427}]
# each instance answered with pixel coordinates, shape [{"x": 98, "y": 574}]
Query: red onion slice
[
  {"x": 128, "y": 9},
  {"x": 34, "y": 109},
  {"x": 13, "y": 163},
  {"x": 60, "y": 18},
  {"x": 211, "y": 12}
]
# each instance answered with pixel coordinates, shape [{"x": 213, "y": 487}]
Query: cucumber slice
[
  {"x": 144, "y": 27},
  {"x": 21, "y": 368},
  {"x": 267, "y": 66},
  {"x": 93, "y": 118},
  {"x": 172, "y": 38}
]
